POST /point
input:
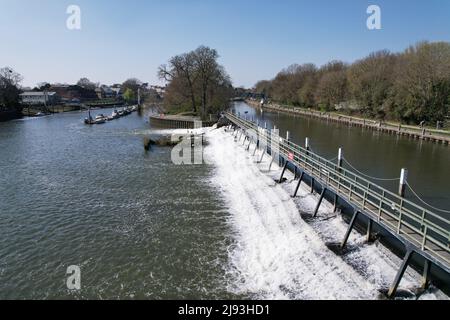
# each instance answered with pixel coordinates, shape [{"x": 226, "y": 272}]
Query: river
[
  {"x": 141, "y": 227},
  {"x": 135, "y": 223}
]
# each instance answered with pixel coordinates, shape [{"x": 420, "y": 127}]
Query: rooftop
[{"x": 37, "y": 93}]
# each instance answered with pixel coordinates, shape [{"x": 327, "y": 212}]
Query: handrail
[{"x": 432, "y": 231}]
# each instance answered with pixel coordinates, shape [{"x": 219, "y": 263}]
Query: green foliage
[
  {"x": 411, "y": 86},
  {"x": 129, "y": 95}
]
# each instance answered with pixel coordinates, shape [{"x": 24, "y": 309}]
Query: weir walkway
[{"x": 423, "y": 233}]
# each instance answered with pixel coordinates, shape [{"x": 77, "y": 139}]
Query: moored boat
[
  {"x": 115, "y": 114},
  {"x": 100, "y": 119}
]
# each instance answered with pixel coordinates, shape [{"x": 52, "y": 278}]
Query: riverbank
[
  {"x": 6, "y": 115},
  {"x": 417, "y": 133},
  {"x": 32, "y": 112}
]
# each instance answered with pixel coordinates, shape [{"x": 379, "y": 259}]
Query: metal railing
[{"x": 426, "y": 230}]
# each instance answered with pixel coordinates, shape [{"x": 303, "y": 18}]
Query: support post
[
  {"x": 272, "y": 160},
  {"x": 249, "y": 143},
  {"x": 298, "y": 185},
  {"x": 425, "y": 276},
  {"x": 340, "y": 157},
  {"x": 319, "y": 202},
  {"x": 312, "y": 184},
  {"x": 262, "y": 154},
  {"x": 335, "y": 202},
  {"x": 245, "y": 139},
  {"x": 282, "y": 172},
  {"x": 369, "y": 230},
  {"x": 256, "y": 147},
  {"x": 350, "y": 228},
  {"x": 400, "y": 272},
  {"x": 402, "y": 185}
]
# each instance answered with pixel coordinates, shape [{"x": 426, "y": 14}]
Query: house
[
  {"x": 117, "y": 92},
  {"x": 99, "y": 93},
  {"x": 105, "y": 92},
  {"x": 39, "y": 98},
  {"x": 70, "y": 93},
  {"x": 159, "y": 90}
]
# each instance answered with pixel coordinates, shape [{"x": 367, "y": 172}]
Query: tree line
[
  {"x": 411, "y": 86},
  {"x": 196, "y": 82}
]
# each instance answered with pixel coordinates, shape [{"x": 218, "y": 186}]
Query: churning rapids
[{"x": 276, "y": 254}]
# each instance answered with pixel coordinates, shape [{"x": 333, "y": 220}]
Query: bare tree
[
  {"x": 196, "y": 77},
  {"x": 207, "y": 67},
  {"x": 183, "y": 68},
  {"x": 86, "y": 84},
  {"x": 9, "y": 87}
]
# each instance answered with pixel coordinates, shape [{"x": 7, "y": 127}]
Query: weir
[{"x": 421, "y": 236}]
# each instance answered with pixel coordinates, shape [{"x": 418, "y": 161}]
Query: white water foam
[{"x": 277, "y": 255}]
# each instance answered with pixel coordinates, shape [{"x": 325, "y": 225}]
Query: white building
[{"x": 36, "y": 98}]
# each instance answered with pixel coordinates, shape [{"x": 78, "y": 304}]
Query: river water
[
  {"x": 137, "y": 225},
  {"x": 141, "y": 227},
  {"x": 376, "y": 154}
]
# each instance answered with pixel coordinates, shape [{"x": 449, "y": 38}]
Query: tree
[
  {"x": 205, "y": 60},
  {"x": 421, "y": 88},
  {"x": 263, "y": 87},
  {"x": 196, "y": 78},
  {"x": 411, "y": 86},
  {"x": 133, "y": 84},
  {"x": 9, "y": 88},
  {"x": 85, "y": 83},
  {"x": 332, "y": 87},
  {"x": 370, "y": 80},
  {"x": 41, "y": 86},
  {"x": 182, "y": 68},
  {"x": 129, "y": 95}
]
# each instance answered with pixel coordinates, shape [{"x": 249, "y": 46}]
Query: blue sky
[{"x": 255, "y": 38}]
